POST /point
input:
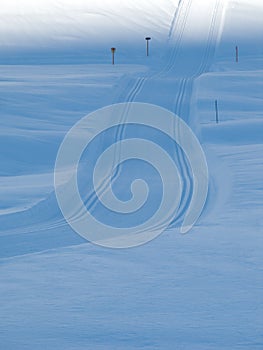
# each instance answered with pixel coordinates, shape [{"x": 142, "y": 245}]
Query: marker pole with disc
[
  {"x": 113, "y": 50},
  {"x": 147, "y": 45}
]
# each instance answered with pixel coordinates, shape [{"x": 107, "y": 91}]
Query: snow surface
[
  {"x": 57, "y": 31},
  {"x": 202, "y": 290}
]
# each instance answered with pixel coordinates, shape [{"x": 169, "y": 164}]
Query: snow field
[{"x": 199, "y": 291}]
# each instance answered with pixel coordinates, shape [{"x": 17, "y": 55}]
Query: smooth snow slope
[
  {"x": 198, "y": 291},
  {"x": 80, "y": 31}
]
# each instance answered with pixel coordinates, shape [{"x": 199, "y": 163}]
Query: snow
[
  {"x": 201, "y": 290},
  {"x": 46, "y": 31}
]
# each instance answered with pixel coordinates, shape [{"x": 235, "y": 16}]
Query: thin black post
[
  {"x": 147, "y": 45},
  {"x": 236, "y": 54},
  {"x": 113, "y": 49},
  {"x": 216, "y": 108}
]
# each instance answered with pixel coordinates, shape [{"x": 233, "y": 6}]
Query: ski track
[
  {"x": 183, "y": 95},
  {"x": 183, "y": 98}
]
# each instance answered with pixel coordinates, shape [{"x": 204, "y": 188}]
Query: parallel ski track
[
  {"x": 178, "y": 26},
  {"x": 182, "y": 101}
]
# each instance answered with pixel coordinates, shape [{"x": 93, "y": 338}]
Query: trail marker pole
[
  {"x": 236, "y": 54},
  {"x": 113, "y": 50},
  {"x": 216, "y": 108},
  {"x": 147, "y": 45}
]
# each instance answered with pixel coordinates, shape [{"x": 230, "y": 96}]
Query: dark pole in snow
[
  {"x": 236, "y": 53},
  {"x": 113, "y": 49},
  {"x": 216, "y": 108},
  {"x": 147, "y": 45}
]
